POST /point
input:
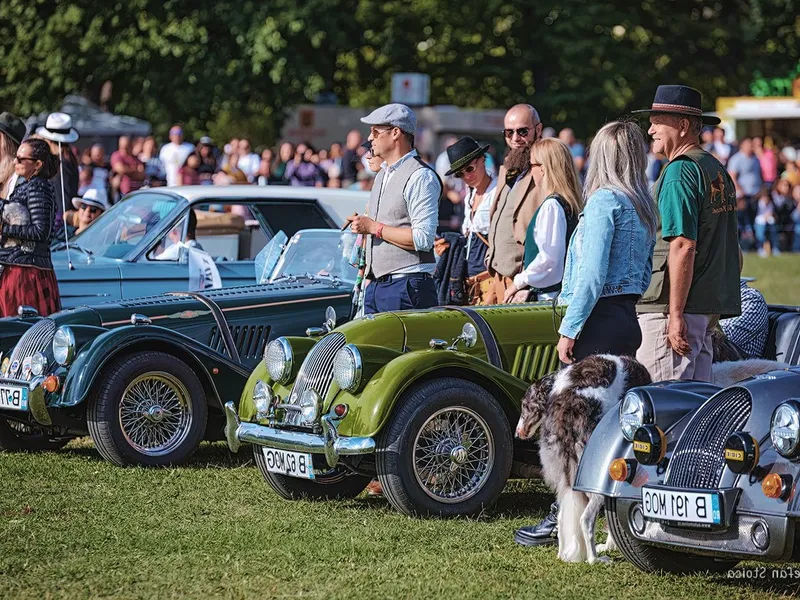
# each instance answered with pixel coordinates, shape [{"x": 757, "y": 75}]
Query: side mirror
[
  {"x": 469, "y": 335},
  {"x": 330, "y": 318}
]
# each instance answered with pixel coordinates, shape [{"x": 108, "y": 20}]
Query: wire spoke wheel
[
  {"x": 155, "y": 413},
  {"x": 453, "y": 454}
]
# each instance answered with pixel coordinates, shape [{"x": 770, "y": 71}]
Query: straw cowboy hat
[
  {"x": 58, "y": 128},
  {"x": 679, "y": 100}
]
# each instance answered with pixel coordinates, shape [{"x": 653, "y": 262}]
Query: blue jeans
[
  {"x": 400, "y": 293},
  {"x": 763, "y": 230}
]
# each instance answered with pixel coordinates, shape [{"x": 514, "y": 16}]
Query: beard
[{"x": 518, "y": 160}]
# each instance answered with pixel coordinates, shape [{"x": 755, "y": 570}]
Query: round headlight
[
  {"x": 262, "y": 397},
  {"x": 64, "y": 345},
  {"x": 784, "y": 428},
  {"x": 309, "y": 406},
  {"x": 38, "y": 364},
  {"x": 347, "y": 368},
  {"x": 631, "y": 414},
  {"x": 278, "y": 359}
]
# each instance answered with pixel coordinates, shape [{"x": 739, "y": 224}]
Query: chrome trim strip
[{"x": 330, "y": 443}]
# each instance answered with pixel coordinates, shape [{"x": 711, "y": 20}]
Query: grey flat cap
[{"x": 396, "y": 115}]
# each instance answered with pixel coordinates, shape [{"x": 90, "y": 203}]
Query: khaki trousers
[
  {"x": 663, "y": 363},
  {"x": 497, "y": 289}
]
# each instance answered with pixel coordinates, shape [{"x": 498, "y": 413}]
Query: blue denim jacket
[{"x": 610, "y": 253}]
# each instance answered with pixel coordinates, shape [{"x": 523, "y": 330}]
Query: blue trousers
[{"x": 401, "y": 293}]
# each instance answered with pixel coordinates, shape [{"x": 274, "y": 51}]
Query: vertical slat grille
[
  {"x": 316, "y": 373},
  {"x": 248, "y": 339},
  {"x": 698, "y": 459},
  {"x": 39, "y": 338},
  {"x": 533, "y": 362}
]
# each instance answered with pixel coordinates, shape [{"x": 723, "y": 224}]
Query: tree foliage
[{"x": 235, "y": 67}]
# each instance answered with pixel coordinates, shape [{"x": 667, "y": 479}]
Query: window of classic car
[{"x": 147, "y": 377}]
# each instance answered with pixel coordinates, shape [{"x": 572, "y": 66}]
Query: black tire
[
  {"x": 21, "y": 437},
  {"x": 179, "y": 391},
  {"x": 328, "y": 484},
  {"x": 652, "y": 559},
  {"x": 443, "y": 400}
]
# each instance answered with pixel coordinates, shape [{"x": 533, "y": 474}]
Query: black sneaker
[{"x": 543, "y": 533}]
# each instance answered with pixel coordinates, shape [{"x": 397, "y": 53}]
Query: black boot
[{"x": 541, "y": 534}]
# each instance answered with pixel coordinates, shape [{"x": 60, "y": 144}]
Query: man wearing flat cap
[
  {"x": 695, "y": 263},
  {"x": 404, "y": 204}
]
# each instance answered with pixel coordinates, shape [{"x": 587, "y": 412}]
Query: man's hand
[
  {"x": 676, "y": 335},
  {"x": 511, "y": 290},
  {"x": 440, "y": 246},
  {"x": 564, "y": 348},
  {"x": 362, "y": 224}
]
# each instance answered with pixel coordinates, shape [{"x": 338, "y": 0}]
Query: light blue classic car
[{"x": 132, "y": 249}]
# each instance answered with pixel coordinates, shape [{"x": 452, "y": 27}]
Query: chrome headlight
[
  {"x": 64, "y": 346},
  {"x": 634, "y": 411},
  {"x": 784, "y": 429},
  {"x": 347, "y": 368},
  {"x": 262, "y": 398},
  {"x": 38, "y": 364},
  {"x": 309, "y": 407},
  {"x": 278, "y": 359}
]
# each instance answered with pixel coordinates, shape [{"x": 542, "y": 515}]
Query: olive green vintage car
[{"x": 425, "y": 400}]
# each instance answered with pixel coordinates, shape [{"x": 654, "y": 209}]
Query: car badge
[
  {"x": 14, "y": 368},
  {"x": 26, "y": 367}
]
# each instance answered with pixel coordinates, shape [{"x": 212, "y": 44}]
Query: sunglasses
[
  {"x": 93, "y": 210},
  {"x": 19, "y": 159},
  {"x": 521, "y": 132},
  {"x": 467, "y": 169}
]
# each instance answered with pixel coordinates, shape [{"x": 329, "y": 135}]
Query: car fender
[
  {"x": 370, "y": 410},
  {"x": 222, "y": 377},
  {"x": 11, "y": 330},
  {"x": 671, "y": 401}
]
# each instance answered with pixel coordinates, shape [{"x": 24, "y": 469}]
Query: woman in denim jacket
[{"x": 610, "y": 257}]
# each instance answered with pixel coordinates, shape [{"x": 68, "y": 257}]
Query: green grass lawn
[
  {"x": 74, "y": 526},
  {"x": 777, "y": 277}
]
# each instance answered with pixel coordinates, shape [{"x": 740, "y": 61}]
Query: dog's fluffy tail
[
  {"x": 573, "y": 503},
  {"x": 727, "y": 373}
]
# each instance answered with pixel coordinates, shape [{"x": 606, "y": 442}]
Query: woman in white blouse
[
  {"x": 554, "y": 174},
  {"x": 468, "y": 161}
]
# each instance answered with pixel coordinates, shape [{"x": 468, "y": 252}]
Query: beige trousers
[{"x": 663, "y": 363}]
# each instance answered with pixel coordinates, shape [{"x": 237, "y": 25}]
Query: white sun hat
[{"x": 58, "y": 128}]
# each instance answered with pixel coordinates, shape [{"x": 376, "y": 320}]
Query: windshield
[
  {"x": 319, "y": 254},
  {"x": 117, "y": 231}
]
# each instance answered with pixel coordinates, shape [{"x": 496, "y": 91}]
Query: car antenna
[{"x": 64, "y": 205}]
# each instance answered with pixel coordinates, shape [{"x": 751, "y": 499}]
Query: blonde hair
[
  {"x": 8, "y": 151},
  {"x": 560, "y": 175},
  {"x": 618, "y": 161}
]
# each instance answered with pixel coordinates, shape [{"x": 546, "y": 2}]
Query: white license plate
[
  {"x": 293, "y": 464},
  {"x": 13, "y": 397},
  {"x": 681, "y": 506}
]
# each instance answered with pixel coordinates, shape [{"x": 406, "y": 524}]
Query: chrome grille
[
  {"x": 39, "y": 338},
  {"x": 698, "y": 459},
  {"x": 316, "y": 373}
]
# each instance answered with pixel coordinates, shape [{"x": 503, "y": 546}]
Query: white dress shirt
[{"x": 549, "y": 233}]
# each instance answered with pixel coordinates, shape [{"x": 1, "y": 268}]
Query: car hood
[{"x": 385, "y": 330}]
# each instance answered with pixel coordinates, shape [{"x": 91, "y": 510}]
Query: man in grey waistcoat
[{"x": 404, "y": 209}]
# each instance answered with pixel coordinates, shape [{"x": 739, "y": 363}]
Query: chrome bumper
[
  {"x": 329, "y": 443},
  {"x": 36, "y": 403}
]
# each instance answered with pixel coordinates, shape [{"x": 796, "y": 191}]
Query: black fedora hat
[
  {"x": 463, "y": 152},
  {"x": 12, "y": 126},
  {"x": 679, "y": 100}
]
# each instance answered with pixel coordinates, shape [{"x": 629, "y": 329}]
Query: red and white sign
[{"x": 413, "y": 89}]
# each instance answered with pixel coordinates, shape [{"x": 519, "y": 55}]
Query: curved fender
[
  {"x": 11, "y": 330},
  {"x": 96, "y": 354},
  {"x": 671, "y": 403},
  {"x": 373, "y": 406}
]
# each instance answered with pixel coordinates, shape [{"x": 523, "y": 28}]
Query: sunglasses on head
[
  {"x": 467, "y": 169},
  {"x": 521, "y": 132}
]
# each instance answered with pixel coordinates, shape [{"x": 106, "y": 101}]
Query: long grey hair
[{"x": 618, "y": 161}]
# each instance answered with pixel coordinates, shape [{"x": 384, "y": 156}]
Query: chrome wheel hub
[
  {"x": 155, "y": 413},
  {"x": 453, "y": 454}
]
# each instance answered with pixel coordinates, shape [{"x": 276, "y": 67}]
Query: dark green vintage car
[
  {"x": 425, "y": 400},
  {"x": 146, "y": 378}
]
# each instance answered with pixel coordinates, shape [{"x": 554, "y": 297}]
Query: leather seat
[{"x": 783, "y": 341}]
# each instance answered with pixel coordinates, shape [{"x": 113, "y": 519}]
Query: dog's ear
[{"x": 637, "y": 373}]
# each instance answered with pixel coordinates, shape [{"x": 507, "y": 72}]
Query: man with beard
[{"x": 515, "y": 203}]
